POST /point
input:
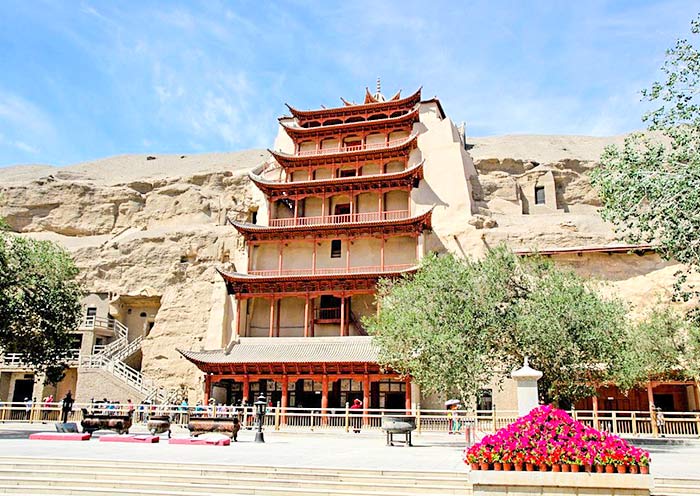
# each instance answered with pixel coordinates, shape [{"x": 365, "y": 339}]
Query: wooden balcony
[
  {"x": 351, "y": 149},
  {"x": 366, "y": 217},
  {"x": 318, "y": 271}
]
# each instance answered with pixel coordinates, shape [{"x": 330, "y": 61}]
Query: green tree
[
  {"x": 666, "y": 346},
  {"x": 457, "y": 323},
  {"x": 650, "y": 189},
  {"x": 39, "y": 302}
]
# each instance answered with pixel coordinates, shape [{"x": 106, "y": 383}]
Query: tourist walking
[
  {"x": 66, "y": 406},
  {"x": 356, "y": 419}
]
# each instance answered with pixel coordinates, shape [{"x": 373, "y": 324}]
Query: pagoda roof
[
  {"x": 250, "y": 285},
  {"x": 409, "y": 225},
  {"x": 345, "y": 349},
  {"x": 297, "y": 132},
  {"x": 349, "y": 110},
  {"x": 276, "y": 189},
  {"x": 395, "y": 149}
]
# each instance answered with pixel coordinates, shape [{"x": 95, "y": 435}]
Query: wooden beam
[
  {"x": 306, "y": 317},
  {"x": 324, "y": 398},
  {"x": 342, "y": 315},
  {"x": 237, "y": 325}
]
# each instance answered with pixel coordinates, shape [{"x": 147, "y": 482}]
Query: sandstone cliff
[{"x": 135, "y": 222}]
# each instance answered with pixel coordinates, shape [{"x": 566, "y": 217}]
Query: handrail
[
  {"x": 341, "y": 218},
  {"x": 370, "y": 269},
  {"x": 352, "y": 148},
  {"x": 16, "y": 360}
]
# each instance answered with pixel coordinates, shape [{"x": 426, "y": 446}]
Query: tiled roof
[{"x": 345, "y": 349}]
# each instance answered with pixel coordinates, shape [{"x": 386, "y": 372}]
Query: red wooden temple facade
[{"x": 339, "y": 216}]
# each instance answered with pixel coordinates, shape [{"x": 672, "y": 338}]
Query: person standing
[
  {"x": 356, "y": 410},
  {"x": 66, "y": 406}
]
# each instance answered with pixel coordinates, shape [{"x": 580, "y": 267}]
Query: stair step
[
  {"x": 199, "y": 468},
  {"x": 224, "y": 476},
  {"x": 48, "y": 485},
  {"x": 109, "y": 479}
]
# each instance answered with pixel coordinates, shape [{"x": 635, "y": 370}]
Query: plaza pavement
[{"x": 332, "y": 449}]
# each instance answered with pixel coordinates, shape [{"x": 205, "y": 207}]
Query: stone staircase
[
  {"x": 667, "y": 486},
  {"x": 30, "y": 476},
  {"x": 111, "y": 359}
]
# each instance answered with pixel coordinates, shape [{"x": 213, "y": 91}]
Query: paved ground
[{"x": 432, "y": 451}]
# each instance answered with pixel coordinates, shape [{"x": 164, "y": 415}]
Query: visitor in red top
[{"x": 356, "y": 421}]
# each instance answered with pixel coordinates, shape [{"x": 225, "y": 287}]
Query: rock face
[{"x": 132, "y": 223}]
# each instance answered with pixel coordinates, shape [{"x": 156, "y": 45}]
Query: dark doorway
[
  {"x": 395, "y": 401},
  {"x": 665, "y": 402},
  {"x": 23, "y": 389}
]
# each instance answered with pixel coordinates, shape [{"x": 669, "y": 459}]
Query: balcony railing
[
  {"x": 370, "y": 269},
  {"x": 15, "y": 360},
  {"x": 341, "y": 219},
  {"x": 351, "y": 148},
  {"x": 328, "y": 314}
]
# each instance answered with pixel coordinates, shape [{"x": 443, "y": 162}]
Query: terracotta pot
[
  {"x": 588, "y": 467},
  {"x": 599, "y": 469},
  {"x": 622, "y": 469},
  {"x": 575, "y": 467},
  {"x": 475, "y": 466},
  {"x": 542, "y": 467},
  {"x": 610, "y": 469},
  {"x": 565, "y": 467},
  {"x": 634, "y": 469},
  {"x": 507, "y": 467},
  {"x": 529, "y": 467},
  {"x": 644, "y": 469},
  {"x": 518, "y": 466},
  {"x": 556, "y": 468},
  {"x": 484, "y": 466},
  {"x": 497, "y": 466}
]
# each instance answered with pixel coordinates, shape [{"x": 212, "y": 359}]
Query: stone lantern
[{"x": 526, "y": 378}]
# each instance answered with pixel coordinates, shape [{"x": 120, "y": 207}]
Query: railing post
[
  {"x": 493, "y": 413},
  {"x": 347, "y": 417},
  {"x": 277, "y": 415},
  {"x": 614, "y": 422},
  {"x": 634, "y": 423},
  {"x": 418, "y": 426},
  {"x": 652, "y": 418},
  {"x": 697, "y": 424}
]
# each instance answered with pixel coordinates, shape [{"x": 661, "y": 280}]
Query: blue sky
[{"x": 84, "y": 80}]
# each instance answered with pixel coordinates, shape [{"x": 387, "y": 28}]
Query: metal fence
[{"x": 670, "y": 424}]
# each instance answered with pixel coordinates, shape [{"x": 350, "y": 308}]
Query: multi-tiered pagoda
[{"x": 339, "y": 215}]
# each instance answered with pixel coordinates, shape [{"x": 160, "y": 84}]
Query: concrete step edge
[{"x": 139, "y": 465}]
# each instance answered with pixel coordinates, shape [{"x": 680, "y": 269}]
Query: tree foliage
[
  {"x": 665, "y": 345},
  {"x": 39, "y": 302},
  {"x": 457, "y": 323},
  {"x": 650, "y": 189}
]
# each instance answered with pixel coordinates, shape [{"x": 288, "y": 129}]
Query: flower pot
[
  {"x": 484, "y": 466},
  {"x": 575, "y": 467},
  {"x": 556, "y": 468},
  {"x": 542, "y": 467},
  {"x": 622, "y": 469},
  {"x": 588, "y": 467},
  {"x": 565, "y": 467},
  {"x": 529, "y": 467},
  {"x": 507, "y": 467},
  {"x": 634, "y": 469},
  {"x": 497, "y": 466},
  {"x": 518, "y": 466},
  {"x": 610, "y": 469},
  {"x": 599, "y": 469},
  {"x": 644, "y": 469},
  {"x": 475, "y": 466}
]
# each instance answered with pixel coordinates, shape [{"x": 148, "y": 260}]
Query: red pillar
[
  {"x": 246, "y": 389},
  {"x": 272, "y": 316},
  {"x": 237, "y": 324},
  {"x": 408, "y": 395},
  {"x": 285, "y": 385},
  {"x": 207, "y": 388},
  {"x": 365, "y": 399},
  {"x": 342, "y": 315},
  {"x": 306, "y": 317},
  {"x": 324, "y": 399}
]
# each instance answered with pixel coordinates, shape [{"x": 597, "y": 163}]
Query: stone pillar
[{"x": 526, "y": 379}]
